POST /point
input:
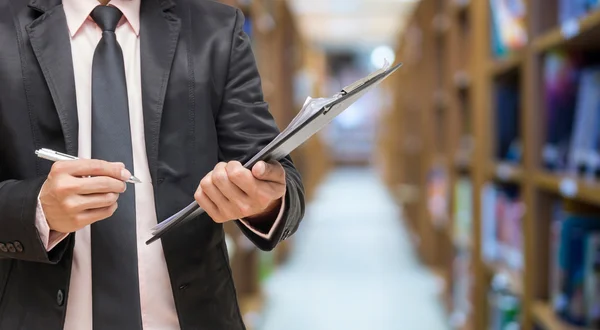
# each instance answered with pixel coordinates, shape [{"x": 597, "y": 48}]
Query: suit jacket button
[
  {"x": 60, "y": 297},
  {"x": 3, "y": 248},
  {"x": 18, "y": 246},
  {"x": 11, "y": 247}
]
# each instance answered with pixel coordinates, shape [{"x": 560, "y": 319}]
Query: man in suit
[{"x": 166, "y": 90}]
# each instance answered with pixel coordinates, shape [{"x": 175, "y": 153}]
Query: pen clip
[
  {"x": 50, "y": 153},
  {"x": 64, "y": 155}
]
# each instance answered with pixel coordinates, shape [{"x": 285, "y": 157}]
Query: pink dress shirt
[{"x": 157, "y": 303}]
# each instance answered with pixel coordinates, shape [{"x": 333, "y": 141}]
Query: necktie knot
[{"x": 107, "y": 17}]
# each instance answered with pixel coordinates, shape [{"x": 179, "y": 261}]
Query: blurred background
[{"x": 463, "y": 193}]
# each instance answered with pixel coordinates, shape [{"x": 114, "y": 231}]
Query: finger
[
  {"x": 100, "y": 185},
  {"x": 64, "y": 184},
  {"x": 94, "y": 167},
  {"x": 271, "y": 171},
  {"x": 79, "y": 203},
  {"x": 209, "y": 206},
  {"x": 67, "y": 185},
  {"x": 220, "y": 179},
  {"x": 88, "y": 217},
  {"x": 98, "y": 201},
  {"x": 241, "y": 177},
  {"x": 209, "y": 189},
  {"x": 229, "y": 188}
]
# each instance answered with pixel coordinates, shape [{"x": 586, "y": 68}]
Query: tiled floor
[{"x": 352, "y": 266}]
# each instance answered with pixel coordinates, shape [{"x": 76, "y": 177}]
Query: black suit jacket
[{"x": 202, "y": 103}]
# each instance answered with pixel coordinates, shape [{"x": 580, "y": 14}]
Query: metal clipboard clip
[
  {"x": 366, "y": 79},
  {"x": 356, "y": 85}
]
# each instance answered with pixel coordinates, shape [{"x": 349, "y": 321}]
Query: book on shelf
[
  {"x": 488, "y": 226},
  {"x": 461, "y": 264},
  {"x": 502, "y": 236},
  {"x": 507, "y": 122},
  {"x": 572, "y": 115},
  {"x": 582, "y": 156},
  {"x": 437, "y": 191},
  {"x": 508, "y": 28},
  {"x": 561, "y": 83},
  {"x": 510, "y": 229},
  {"x": 463, "y": 212},
  {"x": 575, "y": 268},
  {"x": 555, "y": 273},
  {"x": 505, "y": 308},
  {"x": 461, "y": 287},
  {"x": 592, "y": 281},
  {"x": 569, "y": 10},
  {"x": 594, "y": 157}
]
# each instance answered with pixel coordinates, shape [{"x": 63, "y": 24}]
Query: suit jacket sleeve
[
  {"x": 18, "y": 205},
  {"x": 245, "y": 125}
]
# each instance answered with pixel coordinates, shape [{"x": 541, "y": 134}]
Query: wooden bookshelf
[
  {"x": 573, "y": 34},
  {"x": 463, "y": 167},
  {"x": 545, "y": 317},
  {"x": 431, "y": 131},
  {"x": 515, "y": 278},
  {"x": 569, "y": 187},
  {"x": 462, "y": 80},
  {"x": 506, "y": 173},
  {"x": 249, "y": 307},
  {"x": 433, "y": 93},
  {"x": 459, "y": 7},
  {"x": 502, "y": 66}
]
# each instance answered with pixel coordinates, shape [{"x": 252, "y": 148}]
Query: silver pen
[{"x": 56, "y": 156}]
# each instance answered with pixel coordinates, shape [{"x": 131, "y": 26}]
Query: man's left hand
[{"x": 231, "y": 192}]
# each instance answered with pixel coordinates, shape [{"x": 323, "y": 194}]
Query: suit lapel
[
  {"x": 49, "y": 36},
  {"x": 159, "y": 33}
]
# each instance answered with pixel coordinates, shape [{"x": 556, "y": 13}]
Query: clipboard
[{"x": 315, "y": 115}]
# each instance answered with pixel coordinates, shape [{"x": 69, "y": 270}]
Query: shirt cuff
[
  {"x": 50, "y": 238},
  {"x": 273, "y": 227}
]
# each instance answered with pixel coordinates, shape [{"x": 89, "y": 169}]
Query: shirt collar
[{"x": 77, "y": 11}]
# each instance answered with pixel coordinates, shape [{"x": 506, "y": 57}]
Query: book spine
[{"x": 592, "y": 281}]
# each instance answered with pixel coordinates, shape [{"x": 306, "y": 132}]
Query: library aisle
[{"x": 353, "y": 266}]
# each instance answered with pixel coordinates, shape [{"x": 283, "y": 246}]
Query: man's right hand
[{"x": 80, "y": 192}]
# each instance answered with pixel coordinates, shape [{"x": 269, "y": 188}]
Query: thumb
[
  {"x": 267, "y": 171},
  {"x": 260, "y": 170}
]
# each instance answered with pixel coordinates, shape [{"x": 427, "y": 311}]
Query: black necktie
[{"x": 115, "y": 287}]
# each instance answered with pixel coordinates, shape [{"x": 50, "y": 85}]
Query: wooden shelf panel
[
  {"x": 463, "y": 167},
  {"x": 574, "y": 189},
  {"x": 440, "y": 273},
  {"x": 440, "y": 24},
  {"x": 515, "y": 277},
  {"x": 460, "y": 7},
  {"x": 467, "y": 326},
  {"x": 577, "y": 32},
  {"x": 405, "y": 194},
  {"x": 462, "y": 80},
  {"x": 462, "y": 245},
  {"x": 501, "y": 66},
  {"x": 547, "y": 319},
  {"x": 250, "y": 306},
  {"x": 463, "y": 162},
  {"x": 506, "y": 172},
  {"x": 440, "y": 100}
]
